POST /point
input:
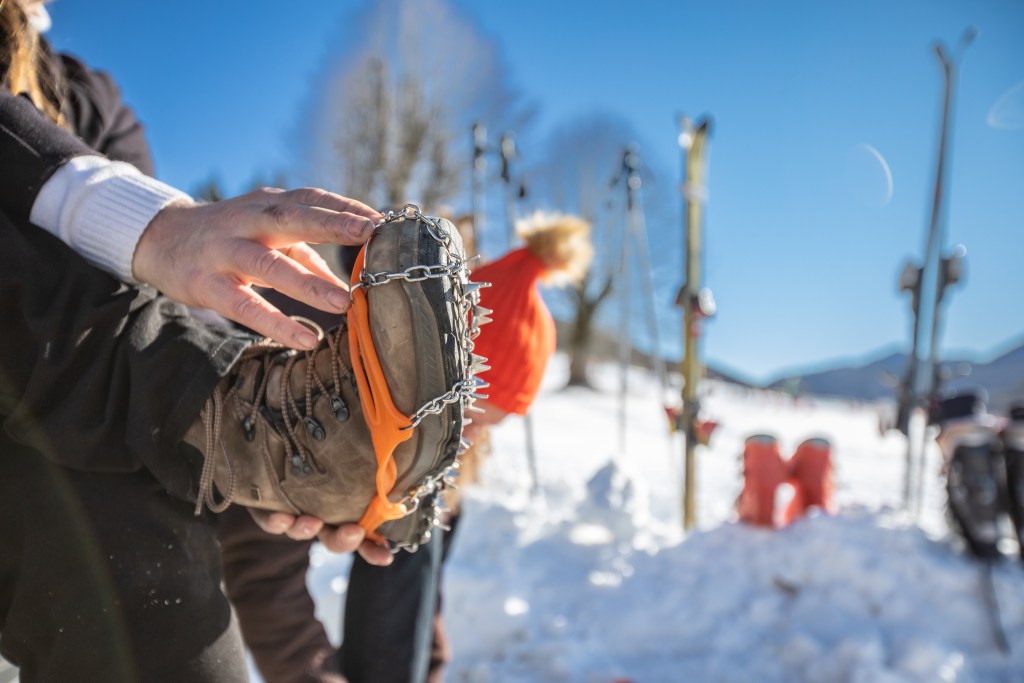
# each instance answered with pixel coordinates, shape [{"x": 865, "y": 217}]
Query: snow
[{"x": 593, "y": 581}]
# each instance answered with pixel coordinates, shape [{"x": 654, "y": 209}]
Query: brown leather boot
[{"x": 367, "y": 426}]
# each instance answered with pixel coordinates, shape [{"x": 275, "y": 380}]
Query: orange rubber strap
[{"x": 388, "y": 426}]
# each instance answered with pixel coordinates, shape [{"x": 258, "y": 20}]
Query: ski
[
  {"x": 929, "y": 281},
  {"x": 992, "y": 607}
]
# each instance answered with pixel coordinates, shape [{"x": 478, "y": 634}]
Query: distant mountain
[{"x": 1002, "y": 377}]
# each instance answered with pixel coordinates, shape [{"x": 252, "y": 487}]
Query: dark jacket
[
  {"x": 32, "y": 147},
  {"x": 94, "y": 375}
]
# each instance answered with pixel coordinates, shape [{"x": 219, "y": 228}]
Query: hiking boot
[{"x": 365, "y": 427}]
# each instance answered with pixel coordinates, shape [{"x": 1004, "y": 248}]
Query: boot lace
[{"x": 213, "y": 410}]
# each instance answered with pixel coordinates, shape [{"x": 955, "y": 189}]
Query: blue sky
[{"x": 803, "y": 251}]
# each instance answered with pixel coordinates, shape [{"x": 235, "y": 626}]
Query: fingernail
[
  {"x": 306, "y": 340},
  {"x": 366, "y": 228},
  {"x": 338, "y": 299}
]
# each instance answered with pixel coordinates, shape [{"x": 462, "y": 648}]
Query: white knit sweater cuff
[{"x": 100, "y": 208}]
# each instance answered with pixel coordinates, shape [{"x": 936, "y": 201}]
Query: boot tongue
[
  {"x": 274, "y": 396},
  {"x": 296, "y": 378}
]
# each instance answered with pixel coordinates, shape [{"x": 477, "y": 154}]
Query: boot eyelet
[
  {"x": 249, "y": 428},
  {"x": 339, "y": 408},
  {"x": 314, "y": 428}
]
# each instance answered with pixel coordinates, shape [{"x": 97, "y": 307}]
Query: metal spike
[
  {"x": 474, "y": 409},
  {"x": 482, "y": 320},
  {"x": 477, "y": 369},
  {"x": 474, "y": 287},
  {"x": 477, "y": 397},
  {"x": 477, "y": 359},
  {"x": 481, "y": 310}
]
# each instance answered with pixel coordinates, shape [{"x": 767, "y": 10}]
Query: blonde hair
[
  {"x": 24, "y": 65},
  {"x": 561, "y": 242}
]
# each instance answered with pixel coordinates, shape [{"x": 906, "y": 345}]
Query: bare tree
[
  {"x": 393, "y": 122},
  {"x": 583, "y": 157}
]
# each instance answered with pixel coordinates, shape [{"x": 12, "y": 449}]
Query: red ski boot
[
  {"x": 763, "y": 471},
  {"x": 810, "y": 473}
]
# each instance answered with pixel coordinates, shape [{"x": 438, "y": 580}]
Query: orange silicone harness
[{"x": 388, "y": 426}]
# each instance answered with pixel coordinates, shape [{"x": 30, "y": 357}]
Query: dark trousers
[
  {"x": 388, "y": 623},
  {"x": 265, "y": 578},
  {"x": 104, "y": 575}
]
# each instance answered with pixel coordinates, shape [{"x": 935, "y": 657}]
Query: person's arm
[
  {"x": 100, "y": 208},
  {"x": 205, "y": 256}
]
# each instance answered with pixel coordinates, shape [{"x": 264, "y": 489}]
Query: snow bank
[{"x": 594, "y": 582}]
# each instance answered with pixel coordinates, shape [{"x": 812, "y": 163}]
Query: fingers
[
  {"x": 272, "y": 522},
  {"x": 240, "y": 303},
  {"x": 312, "y": 196},
  {"x": 300, "y": 528},
  {"x": 305, "y": 528},
  {"x": 273, "y": 268},
  {"x": 307, "y": 256},
  {"x": 281, "y": 220},
  {"x": 349, "y": 537},
  {"x": 375, "y": 554},
  {"x": 342, "y": 539}
]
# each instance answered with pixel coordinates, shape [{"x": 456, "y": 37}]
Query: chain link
[
  {"x": 417, "y": 273},
  {"x": 410, "y": 212},
  {"x": 436, "y": 406}
]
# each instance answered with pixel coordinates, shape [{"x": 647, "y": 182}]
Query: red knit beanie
[{"x": 521, "y": 338}]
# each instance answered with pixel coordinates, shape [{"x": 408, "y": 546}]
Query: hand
[
  {"x": 208, "y": 255},
  {"x": 339, "y": 539}
]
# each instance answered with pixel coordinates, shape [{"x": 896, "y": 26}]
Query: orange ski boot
[
  {"x": 810, "y": 473},
  {"x": 763, "y": 471}
]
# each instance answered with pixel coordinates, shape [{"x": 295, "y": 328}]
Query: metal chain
[
  {"x": 411, "y": 211},
  {"x": 436, "y": 406},
  {"x": 462, "y": 391},
  {"x": 412, "y": 274}
]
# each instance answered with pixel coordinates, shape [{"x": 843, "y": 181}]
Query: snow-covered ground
[{"x": 592, "y": 581}]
